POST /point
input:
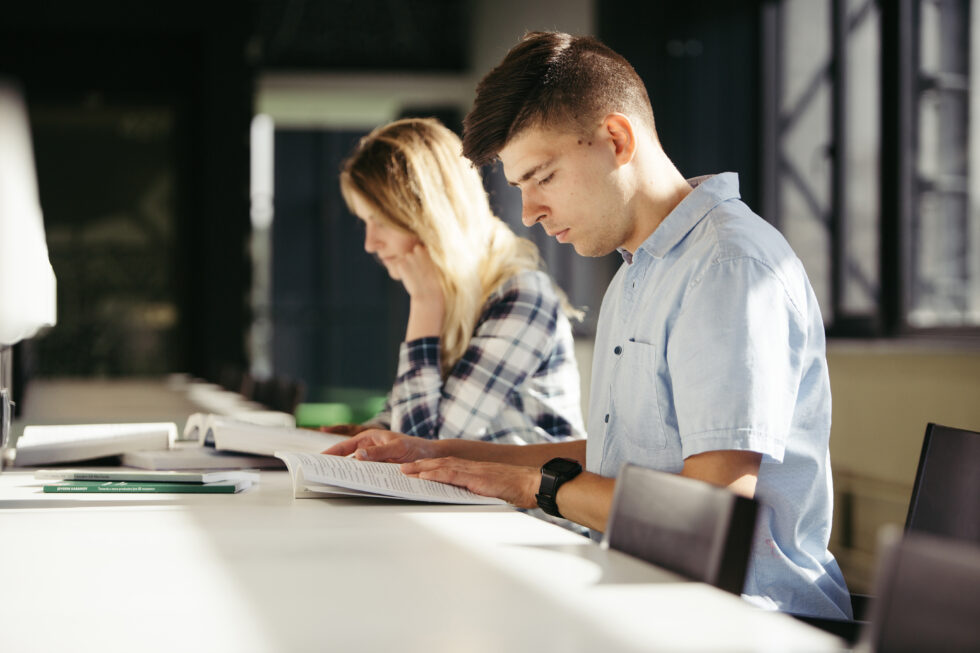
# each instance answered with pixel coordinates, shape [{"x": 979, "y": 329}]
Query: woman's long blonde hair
[{"x": 413, "y": 173}]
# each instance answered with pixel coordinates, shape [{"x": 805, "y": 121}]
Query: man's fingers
[
  {"x": 424, "y": 464},
  {"x": 348, "y": 447},
  {"x": 443, "y": 470},
  {"x": 393, "y": 451},
  {"x": 344, "y": 448}
]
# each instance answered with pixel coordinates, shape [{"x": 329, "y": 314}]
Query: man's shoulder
[{"x": 732, "y": 233}]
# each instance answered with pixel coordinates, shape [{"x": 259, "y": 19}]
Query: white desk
[{"x": 261, "y": 571}]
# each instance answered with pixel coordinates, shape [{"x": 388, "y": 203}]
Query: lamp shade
[{"x": 27, "y": 282}]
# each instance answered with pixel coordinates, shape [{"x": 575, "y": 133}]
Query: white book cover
[
  {"x": 39, "y": 445},
  {"x": 321, "y": 475}
]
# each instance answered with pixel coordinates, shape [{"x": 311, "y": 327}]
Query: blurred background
[{"x": 187, "y": 156}]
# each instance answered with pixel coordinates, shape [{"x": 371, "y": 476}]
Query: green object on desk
[
  {"x": 323, "y": 414},
  {"x": 139, "y": 487},
  {"x": 341, "y": 407}
]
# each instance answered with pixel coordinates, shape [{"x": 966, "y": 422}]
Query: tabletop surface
[{"x": 261, "y": 571}]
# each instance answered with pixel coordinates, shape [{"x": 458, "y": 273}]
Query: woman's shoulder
[
  {"x": 526, "y": 285},
  {"x": 525, "y": 301}
]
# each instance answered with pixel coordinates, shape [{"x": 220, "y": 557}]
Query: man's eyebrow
[{"x": 530, "y": 173}]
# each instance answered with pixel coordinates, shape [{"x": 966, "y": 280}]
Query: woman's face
[{"x": 383, "y": 240}]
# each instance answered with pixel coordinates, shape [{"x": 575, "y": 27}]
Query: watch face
[{"x": 562, "y": 466}]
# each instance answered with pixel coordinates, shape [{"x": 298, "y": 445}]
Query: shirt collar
[{"x": 709, "y": 191}]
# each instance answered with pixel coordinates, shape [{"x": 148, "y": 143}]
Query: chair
[
  {"x": 946, "y": 495},
  {"x": 928, "y": 595},
  {"x": 686, "y": 526},
  {"x": 945, "y": 501}
]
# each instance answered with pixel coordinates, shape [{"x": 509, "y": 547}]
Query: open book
[
  {"x": 230, "y": 434},
  {"x": 42, "y": 445},
  {"x": 320, "y": 475},
  {"x": 223, "y": 442},
  {"x": 197, "y": 423}
]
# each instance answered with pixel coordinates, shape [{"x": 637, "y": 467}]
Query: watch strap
[{"x": 554, "y": 474}]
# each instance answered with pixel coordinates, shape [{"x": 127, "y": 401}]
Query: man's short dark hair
[{"x": 551, "y": 79}]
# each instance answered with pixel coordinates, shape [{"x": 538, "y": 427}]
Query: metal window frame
[{"x": 899, "y": 184}]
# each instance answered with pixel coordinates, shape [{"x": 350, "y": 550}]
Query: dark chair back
[
  {"x": 946, "y": 494},
  {"x": 927, "y": 596},
  {"x": 686, "y": 526}
]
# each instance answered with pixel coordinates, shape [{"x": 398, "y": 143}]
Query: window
[{"x": 870, "y": 167}]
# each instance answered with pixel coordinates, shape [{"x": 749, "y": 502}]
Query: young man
[{"x": 709, "y": 355}]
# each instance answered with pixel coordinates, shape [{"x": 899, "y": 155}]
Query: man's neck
[{"x": 660, "y": 188}]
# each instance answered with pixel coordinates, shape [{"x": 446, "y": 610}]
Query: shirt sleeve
[
  {"x": 510, "y": 343},
  {"x": 735, "y": 356}
]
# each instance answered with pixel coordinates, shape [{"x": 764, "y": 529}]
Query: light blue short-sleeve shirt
[{"x": 710, "y": 338}]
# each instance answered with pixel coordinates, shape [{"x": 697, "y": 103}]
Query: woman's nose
[{"x": 370, "y": 239}]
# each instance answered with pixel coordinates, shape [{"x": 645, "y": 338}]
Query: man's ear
[{"x": 618, "y": 128}]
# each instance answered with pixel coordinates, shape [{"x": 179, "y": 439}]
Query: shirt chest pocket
[{"x": 636, "y": 422}]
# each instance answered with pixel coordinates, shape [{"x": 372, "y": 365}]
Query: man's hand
[
  {"x": 385, "y": 446},
  {"x": 344, "y": 429},
  {"x": 514, "y": 484}
]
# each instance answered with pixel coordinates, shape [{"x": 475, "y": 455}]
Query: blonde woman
[{"x": 488, "y": 346}]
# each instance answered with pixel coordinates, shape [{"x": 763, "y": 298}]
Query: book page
[{"x": 383, "y": 479}]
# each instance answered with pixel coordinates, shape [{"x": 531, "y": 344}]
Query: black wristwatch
[{"x": 553, "y": 473}]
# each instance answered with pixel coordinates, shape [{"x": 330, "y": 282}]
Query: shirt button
[
  {"x": 618, "y": 350},
  {"x": 606, "y": 418}
]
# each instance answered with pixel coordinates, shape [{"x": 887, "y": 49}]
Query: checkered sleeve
[{"x": 512, "y": 341}]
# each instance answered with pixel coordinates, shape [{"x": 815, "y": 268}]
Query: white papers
[{"x": 320, "y": 474}]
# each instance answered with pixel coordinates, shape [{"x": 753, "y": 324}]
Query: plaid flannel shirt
[{"x": 517, "y": 382}]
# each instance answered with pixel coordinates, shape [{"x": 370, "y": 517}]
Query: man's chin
[{"x": 591, "y": 250}]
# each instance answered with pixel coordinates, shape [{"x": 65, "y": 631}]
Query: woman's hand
[
  {"x": 419, "y": 274},
  {"x": 420, "y": 277},
  {"x": 386, "y": 446}
]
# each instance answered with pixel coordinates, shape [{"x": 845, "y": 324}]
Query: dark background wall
[
  {"x": 701, "y": 65},
  {"x": 141, "y": 118}
]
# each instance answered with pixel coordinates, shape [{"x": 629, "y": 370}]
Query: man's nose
[{"x": 532, "y": 211}]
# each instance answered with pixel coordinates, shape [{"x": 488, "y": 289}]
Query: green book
[{"x": 141, "y": 487}]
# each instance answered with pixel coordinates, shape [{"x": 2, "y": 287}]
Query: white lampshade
[{"x": 27, "y": 283}]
